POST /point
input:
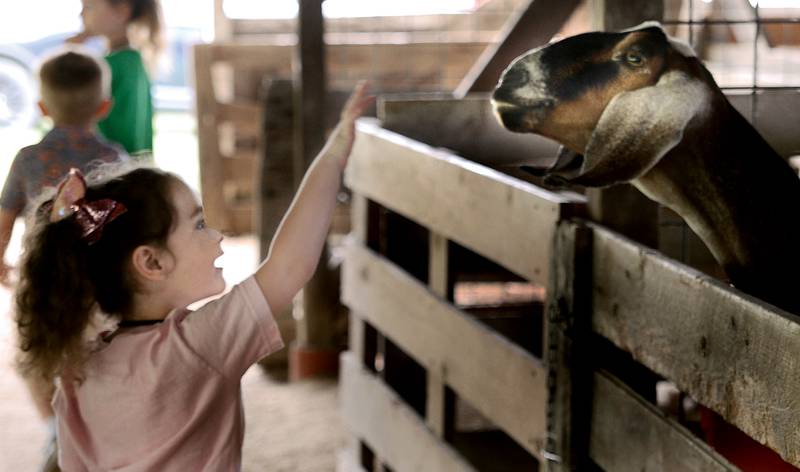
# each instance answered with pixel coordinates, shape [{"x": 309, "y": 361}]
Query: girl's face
[
  {"x": 102, "y": 18},
  {"x": 193, "y": 249}
]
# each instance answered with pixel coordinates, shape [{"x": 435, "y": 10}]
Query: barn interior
[{"x": 466, "y": 315}]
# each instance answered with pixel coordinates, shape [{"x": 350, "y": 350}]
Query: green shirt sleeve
[{"x": 130, "y": 122}]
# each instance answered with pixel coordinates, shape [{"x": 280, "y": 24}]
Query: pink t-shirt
[{"x": 167, "y": 397}]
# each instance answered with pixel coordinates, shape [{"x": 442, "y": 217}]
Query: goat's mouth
[
  {"x": 567, "y": 167},
  {"x": 522, "y": 118}
]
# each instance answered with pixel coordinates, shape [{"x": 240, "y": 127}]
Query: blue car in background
[{"x": 18, "y": 62}]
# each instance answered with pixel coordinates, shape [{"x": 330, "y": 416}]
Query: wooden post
[
  {"x": 273, "y": 190},
  {"x": 440, "y": 402},
  {"x": 223, "y": 26},
  {"x": 569, "y": 308},
  {"x": 569, "y": 368},
  {"x": 313, "y": 352},
  {"x": 275, "y": 175},
  {"x": 212, "y": 174}
]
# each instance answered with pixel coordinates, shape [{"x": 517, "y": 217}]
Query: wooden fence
[{"x": 417, "y": 359}]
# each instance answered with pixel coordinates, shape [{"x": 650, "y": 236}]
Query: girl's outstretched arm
[{"x": 298, "y": 242}]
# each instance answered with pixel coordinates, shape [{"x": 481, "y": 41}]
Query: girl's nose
[{"x": 217, "y": 235}]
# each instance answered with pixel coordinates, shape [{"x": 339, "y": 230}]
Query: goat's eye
[{"x": 634, "y": 58}]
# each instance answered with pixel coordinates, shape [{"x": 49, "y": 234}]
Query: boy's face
[
  {"x": 102, "y": 18},
  {"x": 194, "y": 248}
]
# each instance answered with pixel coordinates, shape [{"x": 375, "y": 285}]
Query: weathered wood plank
[
  {"x": 501, "y": 218},
  {"x": 630, "y": 435},
  {"x": 391, "y": 428},
  {"x": 569, "y": 371},
  {"x": 439, "y": 278},
  {"x": 731, "y": 352},
  {"x": 444, "y": 340}
]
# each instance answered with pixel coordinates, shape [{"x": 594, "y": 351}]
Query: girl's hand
[{"x": 341, "y": 140}]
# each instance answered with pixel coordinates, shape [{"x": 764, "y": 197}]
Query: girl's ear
[{"x": 151, "y": 263}]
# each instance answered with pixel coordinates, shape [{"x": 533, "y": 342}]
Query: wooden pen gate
[{"x": 554, "y": 386}]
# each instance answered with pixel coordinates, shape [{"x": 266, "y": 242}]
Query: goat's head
[{"x": 618, "y": 101}]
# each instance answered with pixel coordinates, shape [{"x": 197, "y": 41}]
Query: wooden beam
[
  {"x": 630, "y": 435},
  {"x": 309, "y": 85},
  {"x": 449, "y": 342},
  {"x": 211, "y": 178},
  {"x": 532, "y": 25},
  {"x": 223, "y": 26},
  {"x": 275, "y": 176},
  {"x": 392, "y": 429},
  {"x": 731, "y": 352},
  {"x": 439, "y": 407},
  {"x": 499, "y": 217},
  {"x": 320, "y": 294}
]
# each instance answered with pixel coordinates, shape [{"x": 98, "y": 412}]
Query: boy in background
[{"x": 74, "y": 89}]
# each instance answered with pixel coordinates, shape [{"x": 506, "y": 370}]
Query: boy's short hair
[{"x": 73, "y": 85}]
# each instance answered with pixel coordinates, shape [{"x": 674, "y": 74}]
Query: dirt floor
[{"x": 290, "y": 426}]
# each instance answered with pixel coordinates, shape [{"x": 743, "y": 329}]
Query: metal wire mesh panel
[
  {"x": 744, "y": 45},
  {"x": 752, "y": 48}
]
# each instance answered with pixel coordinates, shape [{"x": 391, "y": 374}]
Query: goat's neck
[{"x": 737, "y": 194}]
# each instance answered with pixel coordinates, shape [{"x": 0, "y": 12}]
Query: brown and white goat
[{"x": 637, "y": 106}]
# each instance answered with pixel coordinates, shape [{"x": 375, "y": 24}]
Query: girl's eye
[{"x": 201, "y": 224}]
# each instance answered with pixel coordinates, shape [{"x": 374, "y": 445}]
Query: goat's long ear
[{"x": 637, "y": 128}]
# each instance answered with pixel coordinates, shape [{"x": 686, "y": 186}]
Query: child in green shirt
[{"x": 130, "y": 121}]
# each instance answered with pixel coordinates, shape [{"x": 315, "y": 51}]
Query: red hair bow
[{"x": 91, "y": 216}]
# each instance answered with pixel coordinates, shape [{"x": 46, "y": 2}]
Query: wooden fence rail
[{"x": 730, "y": 352}]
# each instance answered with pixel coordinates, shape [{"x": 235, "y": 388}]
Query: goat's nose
[{"x": 514, "y": 77}]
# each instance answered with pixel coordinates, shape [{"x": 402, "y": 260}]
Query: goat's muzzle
[
  {"x": 520, "y": 117},
  {"x": 518, "y": 101}
]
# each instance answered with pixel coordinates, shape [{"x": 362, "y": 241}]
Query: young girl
[
  {"x": 162, "y": 391},
  {"x": 130, "y": 121}
]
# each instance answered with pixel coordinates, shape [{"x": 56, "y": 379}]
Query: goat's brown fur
[{"x": 635, "y": 107}]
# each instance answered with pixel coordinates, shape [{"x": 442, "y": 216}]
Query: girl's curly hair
[{"x": 64, "y": 281}]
